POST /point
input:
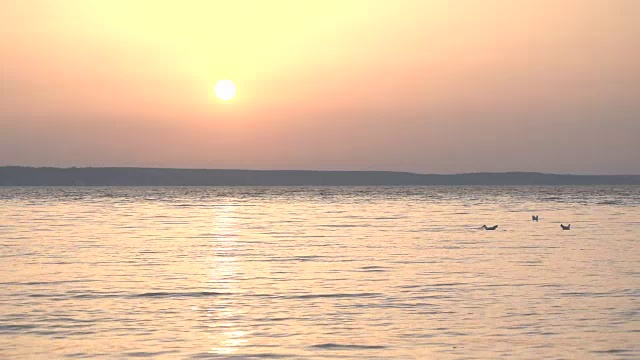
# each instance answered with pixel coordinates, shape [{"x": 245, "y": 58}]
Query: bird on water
[{"x": 489, "y": 228}]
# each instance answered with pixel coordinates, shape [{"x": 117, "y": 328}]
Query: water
[{"x": 319, "y": 272}]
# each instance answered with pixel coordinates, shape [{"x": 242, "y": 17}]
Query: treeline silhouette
[{"x": 123, "y": 176}]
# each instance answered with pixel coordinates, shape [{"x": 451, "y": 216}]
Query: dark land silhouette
[{"x": 124, "y": 176}]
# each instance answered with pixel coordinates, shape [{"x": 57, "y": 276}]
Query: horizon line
[{"x": 314, "y": 170}]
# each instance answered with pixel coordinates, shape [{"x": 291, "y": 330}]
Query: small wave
[
  {"x": 338, "y": 295},
  {"x": 612, "y": 351},
  {"x": 335, "y": 346},
  {"x": 611, "y": 202},
  {"x": 306, "y": 257},
  {"x": 149, "y": 354},
  {"x": 437, "y": 296},
  {"x": 31, "y": 283},
  {"x": 586, "y": 294},
  {"x": 339, "y": 225},
  {"x": 161, "y": 294},
  {"x": 528, "y": 262},
  {"x": 243, "y": 356},
  {"x": 412, "y": 286},
  {"x": 373, "y": 268},
  {"x": 100, "y": 295},
  {"x": 446, "y": 284},
  {"x": 16, "y": 327}
]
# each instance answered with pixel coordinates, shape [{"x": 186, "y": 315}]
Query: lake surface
[{"x": 298, "y": 272}]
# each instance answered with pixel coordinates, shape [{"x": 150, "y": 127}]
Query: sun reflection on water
[{"x": 226, "y": 334}]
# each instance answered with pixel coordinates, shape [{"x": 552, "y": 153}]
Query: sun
[{"x": 225, "y": 90}]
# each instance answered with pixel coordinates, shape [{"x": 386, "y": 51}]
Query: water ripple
[{"x": 326, "y": 272}]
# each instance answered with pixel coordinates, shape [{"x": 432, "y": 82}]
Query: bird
[
  {"x": 489, "y": 228},
  {"x": 568, "y": 227},
  {"x": 534, "y": 218}
]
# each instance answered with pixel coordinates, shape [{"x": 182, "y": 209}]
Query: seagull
[
  {"x": 568, "y": 227},
  {"x": 489, "y": 228},
  {"x": 534, "y": 218}
]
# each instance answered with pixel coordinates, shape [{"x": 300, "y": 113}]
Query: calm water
[{"x": 319, "y": 272}]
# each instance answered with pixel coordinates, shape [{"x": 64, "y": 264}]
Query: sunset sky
[{"x": 422, "y": 86}]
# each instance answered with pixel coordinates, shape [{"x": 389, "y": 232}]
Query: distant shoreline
[{"x": 133, "y": 176}]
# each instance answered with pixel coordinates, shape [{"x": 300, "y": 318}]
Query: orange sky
[{"x": 425, "y": 86}]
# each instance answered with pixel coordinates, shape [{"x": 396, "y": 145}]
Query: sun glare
[{"x": 225, "y": 90}]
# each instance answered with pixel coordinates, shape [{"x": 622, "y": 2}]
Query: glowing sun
[{"x": 225, "y": 90}]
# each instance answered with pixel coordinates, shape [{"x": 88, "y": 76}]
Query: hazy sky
[{"x": 424, "y": 86}]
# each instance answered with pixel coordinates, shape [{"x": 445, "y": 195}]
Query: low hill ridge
[{"x": 131, "y": 176}]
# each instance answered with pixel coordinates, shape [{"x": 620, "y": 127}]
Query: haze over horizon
[{"x": 417, "y": 86}]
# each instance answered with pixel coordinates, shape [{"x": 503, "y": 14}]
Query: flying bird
[
  {"x": 568, "y": 227},
  {"x": 534, "y": 217}
]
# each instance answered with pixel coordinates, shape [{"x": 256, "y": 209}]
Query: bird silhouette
[
  {"x": 489, "y": 228},
  {"x": 534, "y": 218},
  {"x": 568, "y": 227}
]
